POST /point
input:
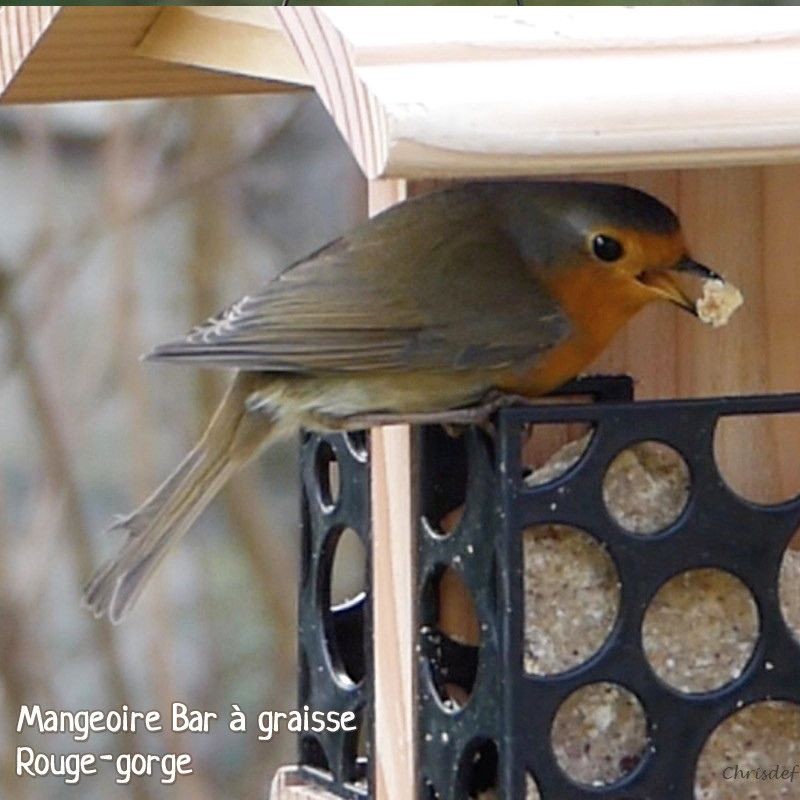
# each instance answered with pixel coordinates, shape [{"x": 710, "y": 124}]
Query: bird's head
[{"x": 619, "y": 237}]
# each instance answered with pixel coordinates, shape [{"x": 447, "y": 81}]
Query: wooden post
[{"x": 393, "y": 590}]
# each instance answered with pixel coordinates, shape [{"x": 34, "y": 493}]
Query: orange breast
[{"x": 597, "y": 305}]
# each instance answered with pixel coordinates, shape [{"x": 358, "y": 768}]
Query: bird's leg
[
  {"x": 470, "y": 415},
  {"x": 456, "y": 416},
  {"x": 495, "y": 400},
  {"x": 455, "y": 431}
]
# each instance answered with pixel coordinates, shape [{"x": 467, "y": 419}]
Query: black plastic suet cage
[{"x": 503, "y": 732}]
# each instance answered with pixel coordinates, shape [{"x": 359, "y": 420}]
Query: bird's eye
[{"x": 606, "y": 248}]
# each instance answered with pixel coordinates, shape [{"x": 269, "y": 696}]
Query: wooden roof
[
  {"x": 438, "y": 91},
  {"x": 55, "y": 53},
  {"x": 435, "y": 91}
]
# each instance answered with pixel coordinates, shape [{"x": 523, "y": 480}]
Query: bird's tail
[{"x": 233, "y": 437}]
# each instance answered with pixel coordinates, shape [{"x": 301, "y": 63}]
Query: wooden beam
[
  {"x": 329, "y": 62},
  {"x": 288, "y": 784},
  {"x": 21, "y": 28},
  {"x": 243, "y": 40},
  {"x": 422, "y": 91},
  {"x": 59, "y": 53},
  {"x": 393, "y": 588}
]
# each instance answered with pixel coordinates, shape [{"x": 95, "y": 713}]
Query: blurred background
[{"x": 122, "y": 225}]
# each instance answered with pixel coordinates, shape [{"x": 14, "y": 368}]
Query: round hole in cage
[
  {"x": 700, "y": 630},
  {"x": 306, "y": 543},
  {"x": 355, "y": 753},
  {"x": 450, "y": 633},
  {"x": 646, "y": 487},
  {"x": 303, "y": 675},
  {"x": 572, "y": 596},
  {"x": 757, "y": 456},
  {"x": 478, "y": 768},
  {"x": 357, "y": 444},
  {"x": 349, "y": 568},
  {"x": 550, "y": 450},
  {"x": 362, "y": 739},
  {"x": 448, "y": 522},
  {"x": 599, "y": 734},
  {"x": 737, "y": 758},
  {"x": 326, "y": 472},
  {"x": 443, "y": 480},
  {"x": 789, "y": 586},
  {"x": 532, "y": 788},
  {"x": 312, "y": 753},
  {"x": 343, "y": 584}
]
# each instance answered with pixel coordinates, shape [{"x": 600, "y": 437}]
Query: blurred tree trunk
[
  {"x": 15, "y": 676},
  {"x": 267, "y": 554},
  {"x": 121, "y": 159},
  {"x": 56, "y": 463}
]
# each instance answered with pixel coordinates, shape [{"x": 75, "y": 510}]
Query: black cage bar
[{"x": 334, "y": 644}]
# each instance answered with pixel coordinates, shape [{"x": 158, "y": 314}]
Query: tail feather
[
  {"x": 232, "y": 439},
  {"x": 152, "y": 530},
  {"x": 138, "y": 520}
]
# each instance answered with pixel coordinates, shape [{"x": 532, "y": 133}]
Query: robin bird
[{"x": 437, "y": 310}]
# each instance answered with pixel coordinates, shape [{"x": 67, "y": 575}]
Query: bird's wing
[{"x": 418, "y": 291}]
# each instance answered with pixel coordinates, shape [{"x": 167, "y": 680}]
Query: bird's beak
[{"x": 665, "y": 283}]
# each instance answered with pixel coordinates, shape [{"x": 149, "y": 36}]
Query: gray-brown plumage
[
  {"x": 355, "y": 305},
  {"x": 432, "y": 306}
]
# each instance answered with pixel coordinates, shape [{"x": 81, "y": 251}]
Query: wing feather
[{"x": 424, "y": 286}]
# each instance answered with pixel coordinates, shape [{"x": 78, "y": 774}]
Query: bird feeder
[{"x": 697, "y": 107}]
